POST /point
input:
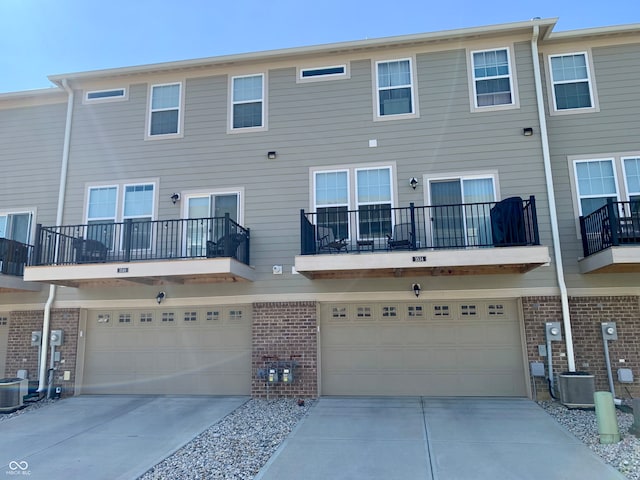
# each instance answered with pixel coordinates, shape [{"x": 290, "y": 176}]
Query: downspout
[
  {"x": 552, "y": 201},
  {"x": 61, "y": 194}
]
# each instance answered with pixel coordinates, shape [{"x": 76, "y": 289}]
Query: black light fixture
[
  {"x": 416, "y": 289},
  {"x": 175, "y": 197},
  {"x": 161, "y": 296},
  {"x": 272, "y": 155},
  {"x": 413, "y": 182},
  {"x": 527, "y": 131}
]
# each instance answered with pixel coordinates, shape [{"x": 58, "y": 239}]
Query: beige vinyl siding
[{"x": 613, "y": 129}]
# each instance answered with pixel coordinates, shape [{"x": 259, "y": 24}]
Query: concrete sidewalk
[
  {"x": 105, "y": 436},
  {"x": 432, "y": 439}
]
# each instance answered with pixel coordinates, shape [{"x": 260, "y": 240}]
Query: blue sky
[{"x": 44, "y": 37}]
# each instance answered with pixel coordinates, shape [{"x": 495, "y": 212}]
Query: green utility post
[{"x": 606, "y": 416}]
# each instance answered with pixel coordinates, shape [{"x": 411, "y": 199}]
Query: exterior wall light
[
  {"x": 527, "y": 131},
  {"x": 416, "y": 289},
  {"x": 161, "y": 296},
  {"x": 413, "y": 182},
  {"x": 175, "y": 197},
  {"x": 272, "y": 155}
]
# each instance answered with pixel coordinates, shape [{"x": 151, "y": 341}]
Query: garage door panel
[
  {"x": 453, "y": 348},
  {"x": 200, "y": 351}
]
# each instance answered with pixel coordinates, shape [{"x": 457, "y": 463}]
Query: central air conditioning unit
[
  {"x": 12, "y": 393},
  {"x": 576, "y": 389}
]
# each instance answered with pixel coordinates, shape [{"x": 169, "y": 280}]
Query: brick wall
[
  {"x": 283, "y": 330},
  {"x": 587, "y": 315},
  {"x": 21, "y": 355}
]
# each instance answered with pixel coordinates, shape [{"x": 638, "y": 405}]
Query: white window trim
[
  {"x": 153, "y": 199},
  {"x": 323, "y": 78},
  {"x": 513, "y": 81},
  {"x": 575, "y": 178},
  {"x": 231, "y": 103},
  {"x": 591, "y": 80},
  {"x": 88, "y": 196},
  {"x": 212, "y": 193},
  {"x": 428, "y": 178},
  {"x": 120, "y": 192},
  {"x": 180, "y": 133},
  {"x": 315, "y": 204},
  {"x": 414, "y": 91},
  {"x": 118, "y": 98},
  {"x": 32, "y": 224}
]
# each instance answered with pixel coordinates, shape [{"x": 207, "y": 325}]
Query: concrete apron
[
  {"x": 105, "y": 436},
  {"x": 432, "y": 438}
]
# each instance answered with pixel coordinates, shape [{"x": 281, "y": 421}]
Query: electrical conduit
[{"x": 552, "y": 200}]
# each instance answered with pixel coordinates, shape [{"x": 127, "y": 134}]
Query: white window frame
[
  {"x": 577, "y": 188},
  {"x": 114, "y": 98},
  {"x": 232, "y": 103},
  {"x": 413, "y": 86},
  {"x": 323, "y": 77},
  {"x": 349, "y": 204},
  {"x": 590, "y": 80},
  {"x": 628, "y": 192},
  {"x": 151, "y": 111},
  {"x": 134, "y": 217},
  {"x": 513, "y": 83},
  {"x": 32, "y": 224}
]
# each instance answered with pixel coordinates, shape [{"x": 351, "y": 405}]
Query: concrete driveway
[
  {"x": 105, "y": 436},
  {"x": 432, "y": 438}
]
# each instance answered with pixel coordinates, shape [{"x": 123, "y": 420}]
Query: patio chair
[
  {"x": 328, "y": 243},
  {"x": 219, "y": 247},
  {"x": 89, "y": 251},
  {"x": 402, "y": 238}
]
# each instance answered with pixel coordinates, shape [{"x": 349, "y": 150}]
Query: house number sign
[{"x": 421, "y": 258}]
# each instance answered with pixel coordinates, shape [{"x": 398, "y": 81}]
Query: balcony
[
  {"x": 611, "y": 239},
  {"x": 458, "y": 239},
  {"x": 185, "y": 251},
  {"x": 14, "y": 256}
]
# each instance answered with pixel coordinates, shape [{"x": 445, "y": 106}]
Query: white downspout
[
  {"x": 61, "y": 194},
  {"x": 552, "y": 200}
]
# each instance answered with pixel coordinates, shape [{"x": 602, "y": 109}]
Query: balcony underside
[
  {"x": 163, "y": 272},
  {"x": 15, "y": 284},
  {"x": 625, "y": 259},
  {"x": 476, "y": 261}
]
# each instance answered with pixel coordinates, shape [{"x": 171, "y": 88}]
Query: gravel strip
[
  {"x": 29, "y": 407},
  {"x": 624, "y": 455},
  {"x": 238, "y": 446}
]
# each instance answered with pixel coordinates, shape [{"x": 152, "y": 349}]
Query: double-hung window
[
  {"x": 332, "y": 201},
  {"x": 492, "y": 78},
  {"x": 394, "y": 86},
  {"x": 373, "y": 195},
  {"x": 631, "y": 167},
  {"x": 101, "y": 214},
  {"x": 596, "y": 183},
  {"x": 247, "y": 102},
  {"x": 138, "y": 208},
  {"x": 571, "y": 82},
  {"x": 164, "y": 110}
]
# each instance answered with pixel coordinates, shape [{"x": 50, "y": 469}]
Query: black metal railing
[
  {"x": 140, "y": 240},
  {"x": 612, "y": 225},
  {"x": 511, "y": 222},
  {"x": 14, "y": 256}
]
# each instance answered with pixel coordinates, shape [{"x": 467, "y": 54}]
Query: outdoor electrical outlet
[{"x": 542, "y": 350}]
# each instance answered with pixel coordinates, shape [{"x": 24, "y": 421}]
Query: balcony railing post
[
  {"x": 534, "y": 220},
  {"x": 412, "y": 216},
  {"x": 585, "y": 240},
  {"x": 613, "y": 222},
  {"x": 37, "y": 247},
  {"x": 126, "y": 244},
  {"x": 227, "y": 231}
]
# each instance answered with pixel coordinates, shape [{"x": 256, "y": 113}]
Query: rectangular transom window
[
  {"x": 165, "y": 109},
  {"x": 105, "y": 95},
  {"x": 571, "y": 81},
  {"x": 492, "y": 78},
  {"x": 247, "y": 102},
  {"x": 321, "y": 73},
  {"x": 394, "y": 85}
]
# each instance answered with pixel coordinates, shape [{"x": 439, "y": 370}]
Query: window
[
  {"x": 394, "y": 85},
  {"x": 632, "y": 177},
  {"x": 492, "y": 78},
  {"x": 460, "y": 210},
  {"x": 16, "y": 226},
  {"x": 571, "y": 82},
  {"x": 101, "y": 214},
  {"x": 367, "y": 190},
  {"x": 596, "y": 183},
  {"x": 165, "y": 109},
  {"x": 247, "y": 102},
  {"x": 138, "y": 207},
  {"x": 333, "y": 72},
  {"x": 106, "y": 95}
]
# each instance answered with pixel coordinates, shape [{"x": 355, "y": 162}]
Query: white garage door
[
  {"x": 205, "y": 351},
  {"x": 438, "y": 349},
  {"x": 4, "y": 336}
]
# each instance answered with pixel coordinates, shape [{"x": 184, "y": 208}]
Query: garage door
[
  {"x": 203, "y": 351},
  {"x": 439, "y": 349},
  {"x": 4, "y": 335}
]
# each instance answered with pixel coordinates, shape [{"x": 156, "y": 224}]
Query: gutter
[
  {"x": 61, "y": 194},
  {"x": 546, "y": 156}
]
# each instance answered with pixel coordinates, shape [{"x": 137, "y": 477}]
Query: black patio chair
[
  {"x": 402, "y": 238},
  {"x": 327, "y": 241},
  {"x": 89, "y": 251},
  {"x": 219, "y": 248}
]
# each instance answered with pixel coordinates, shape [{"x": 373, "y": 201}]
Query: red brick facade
[
  {"x": 587, "y": 315},
  {"x": 21, "y": 355},
  {"x": 285, "y": 330}
]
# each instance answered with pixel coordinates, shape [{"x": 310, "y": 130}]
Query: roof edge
[{"x": 596, "y": 31}]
